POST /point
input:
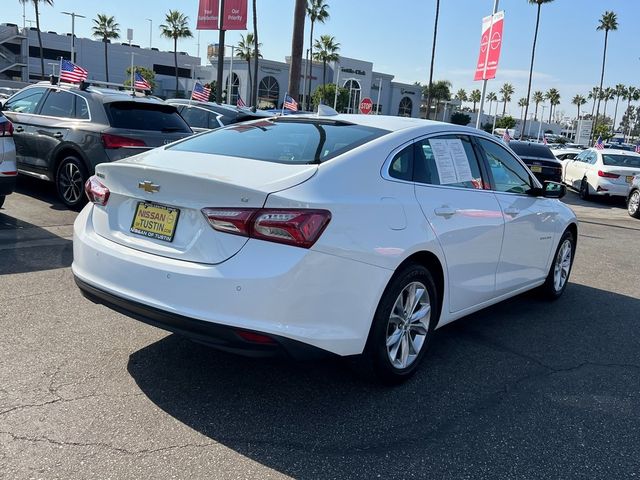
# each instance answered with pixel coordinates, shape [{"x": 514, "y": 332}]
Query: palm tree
[
  {"x": 620, "y": 91},
  {"x": 607, "y": 94},
  {"x": 175, "y": 28},
  {"x": 475, "y": 97},
  {"x": 538, "y": 98},
  {"x": 36, "y": 5},
  {"x": 317, "y": 11},
  {"x": 461, "y": 95},
  {"x": 440, "y": 91},
  {"x": 593, "y": 95},
  {"x": 492, "y": 97},
  {"x": 246, "y": 52},
  {"x": 522, "y": 103},
  {"x": 506, "y": 91},
  {"x": 433, "y": 58},
  {"x": 578, "y": 101},
  {"x": 297, "y": 45},
  {"x": 554, "y": 99},
  {"x": 256, "y": 49},
  {"x": 533, "y": 56},
  {"x": 107, "y": 29},
  {"x": 327, "y": 51},
  {"x": 608, "y": 22}
]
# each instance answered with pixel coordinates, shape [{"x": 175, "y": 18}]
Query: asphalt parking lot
[{"x": 525, "y": 389}]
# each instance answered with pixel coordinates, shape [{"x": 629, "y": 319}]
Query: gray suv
[{"x": 62, "y": 132}]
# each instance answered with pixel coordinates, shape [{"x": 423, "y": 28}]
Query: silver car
[
  {"x": 633, "y": 198},
  {"x": 8, "y": 171}
]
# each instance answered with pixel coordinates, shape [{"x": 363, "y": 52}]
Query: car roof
[
  {"x": 106, "y": 95},
  {"x": 616, "y": 151}
]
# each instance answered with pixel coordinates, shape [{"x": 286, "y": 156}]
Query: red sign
[
  {"x": 366, "y": 105},
  {"x": 490, "y": 46},
  {"x": 208, "y": 15},
  {"x": 234, "y": 17}
]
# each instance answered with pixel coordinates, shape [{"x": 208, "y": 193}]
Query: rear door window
[
  {"x": 58, "y": 104},
  {"x": 196, "y": 117},
  {"x": 145, "y": 116}
]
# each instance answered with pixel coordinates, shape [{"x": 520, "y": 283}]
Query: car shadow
[
  {"x": 500, "y": 390},
  {"x": 603, "y": 203},
  {"x": 41, "y": 190}
]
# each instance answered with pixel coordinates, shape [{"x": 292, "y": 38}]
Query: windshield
[
  {"x": 282, "y": 141},
  {"x": 531, "y": 150},
  {"x": 621, "y": 160}
]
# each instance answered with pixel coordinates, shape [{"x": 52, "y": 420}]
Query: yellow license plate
[
  {"x": 155, "y": 221},
  {"x": 629, "y": 178},
  {"x": 536, "y": 169}
]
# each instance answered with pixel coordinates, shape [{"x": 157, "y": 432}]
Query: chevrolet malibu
[{"x": 348, "y": 235}]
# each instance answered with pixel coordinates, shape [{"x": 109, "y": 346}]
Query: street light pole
[
  {"x": 73, "y": 16},
  {"x": 379, "y": 90},
  {"x": 540, "y": 124},
  {"x": 486, "y": 59},
  {"x": 151, "y": 33}
]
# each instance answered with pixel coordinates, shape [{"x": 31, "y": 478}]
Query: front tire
[
  {"x": 70, "y": 178},
  {"x": 403, "y": 325},
  {"x": 558, "y": 277},
  {"x": 633, "y": 204},
  {"x": 584, "y": 189}
]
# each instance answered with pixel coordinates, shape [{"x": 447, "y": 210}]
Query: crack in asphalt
[{"x": 67, "y": 400}]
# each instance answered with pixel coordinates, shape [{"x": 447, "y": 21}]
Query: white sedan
[
  {"x": 314, "y": 235},
  {"x": 8, "y": 170},
  {"x": 606, "y": 172}
]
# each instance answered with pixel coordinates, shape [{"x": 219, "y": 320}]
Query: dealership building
[{"x": 20, "y": 63}]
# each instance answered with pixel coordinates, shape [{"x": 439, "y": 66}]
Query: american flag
[
  {"x": 544, "y": 140},
  {"x": 140, "y": 82},
  {"x": 70, "y": 72},
  {"x": 600, "y": 143},
  {"x": 200, "y": 93},
  {"x": 290, "y": 103},
  {"x": 506, "y": 138},
  {"x": 638, "y": 148},
  {"x": 240, "y": 102}
]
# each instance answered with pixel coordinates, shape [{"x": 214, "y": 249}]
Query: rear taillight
[
  {"x": 96, "y": 191},
  {"x": 298, "y": 227},
  {"x": 116, "y": 141},
  {"x": 607, "y": 174},
  {"x": 6, "y": 129}
]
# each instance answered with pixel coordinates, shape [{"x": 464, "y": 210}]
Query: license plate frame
[
  {"x": 163, "y": 232},
  {"x": 536, "y": 168}
]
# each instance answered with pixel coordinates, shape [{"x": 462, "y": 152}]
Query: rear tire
[
  {"x": 633, "y": 204},
  {"x": 70, "y": 178},
  {"x": 402, "y": 326},
  {"x": 584, "y": 189},
  {"x": 558, "y": 277}
]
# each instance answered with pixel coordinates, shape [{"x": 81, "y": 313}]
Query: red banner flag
[
  {"x": 235, "y": 15},
  {"x": 208, "y": 15},
  {"x": 490, "y": 46}
]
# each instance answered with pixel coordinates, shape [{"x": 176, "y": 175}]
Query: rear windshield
[
  {"x": 145, "y": 116},
  {"x": 531, "y": 150},
  {"x": 282, "y": 141},
  {"x": 621, "y": 160}
]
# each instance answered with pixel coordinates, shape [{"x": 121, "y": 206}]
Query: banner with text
[
  {"x": 490, "y": 46},
  {"x": 233, "y": 18},
  {"x": 208, "y": 15}
]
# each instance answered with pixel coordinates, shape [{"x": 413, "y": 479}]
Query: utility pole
[
  {"x": 73, "y": 16},
  {"x": 220, "y": 53},
  {"x": 151, "y": 32},
  {"x": 486, "y": 59}
]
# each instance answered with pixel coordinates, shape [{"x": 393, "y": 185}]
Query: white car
[
  {"x": 606, "y": 172},
  {"x": 563, "y": 154},
  {"x": 314, "y": 235},
  {"x": 8, "y": 170}
]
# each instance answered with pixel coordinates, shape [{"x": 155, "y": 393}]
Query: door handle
[
  {"x": 511, "y": 211},
  {"x": 19, "y": 129},
  {"x": 58, "y": 135},
  {"x": 444, "y": 211}
]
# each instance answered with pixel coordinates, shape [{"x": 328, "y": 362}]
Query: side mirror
[{"x": 553, "y": 190}]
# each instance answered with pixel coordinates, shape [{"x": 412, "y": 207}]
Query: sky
[{"x": 397, "y": 36}]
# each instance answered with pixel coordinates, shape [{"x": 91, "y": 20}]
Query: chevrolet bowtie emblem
[{"x": 149, "y": 187}]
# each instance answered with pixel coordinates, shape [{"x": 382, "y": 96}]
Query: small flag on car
[
  {"x": 200, "y": 93},
  {"x": 290, "y": 103},
  {"x": 240, "y": 102},
  {"x": 638, "y": 148},
  {"x": 506, "y": 138},
  {"x": 140, "y": 83},
  {"x": 600, "y": 143},
  {"x": 70, "y": 72},
  {"x": 544, "y": 140}
]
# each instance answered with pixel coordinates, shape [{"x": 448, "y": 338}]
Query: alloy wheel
[
  {"x": 562, "y": 265},
  {"x": 634, "y": 203},
  {"x": 71, "y": 183}
]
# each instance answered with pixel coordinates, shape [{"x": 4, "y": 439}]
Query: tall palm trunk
[
  {"x": 504, "y": 107},
  {"x": 310, "y": 68},
  {"x": 250, "y": 79},
  {"x": 324, "y": 73},
  {"x": 175, "y": 61},
  {"x": 297, "y": 45},
  {"x": 578, "y": 112},
  {"x": 533, "y": 56},
  {"x": 106, "y": 59},
  {"x": 433, "y": 57},
  {"x": 604, "y": 59},
  {"x": 40, "y": 41},
  {"x": 535, "y": 115},
  {"x": 474, "y": 106},
  {"x": 254, "y": 90},
  {"x": 550, "y": 112},
  {"x": 615, "y": 114}
]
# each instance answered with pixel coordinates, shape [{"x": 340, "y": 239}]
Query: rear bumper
[
  {"x": 607, "y": 188},
  {"x": 549, "y": 177},
  {"x": 7, "y": 184}
]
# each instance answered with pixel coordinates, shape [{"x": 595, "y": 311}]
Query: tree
[
  {"x": 177, "y": 27},
  {"x": 325, "y": 94},
  {"x": 460, "y": 118},
  {"x": 36, "y": 7},
  {"x": 475, "y": 97},
  {"x": 440, "y": 91},
  {"x": 461, "y": 95},
  {"x": 327, "y": 51},
  {"x": 148, "y": 74},
  {"x": 539, "y": 4},
  {"x": 620, "y": 91},
  {"x": 492, "y": 97},
  {"x": 506, "y": 91},
  {"x": 603, "y": 131},
  {"x": 246, "y": 51},
  {"x": 593, "y": 95},
  {"x": 107, "y": 29},
  {"x": 522, "y": 103},
  {"x": 506, "y": 122},
  {"x": 538, "y": 98},
  {"x": 608, "y": 22},
  {"x": 578, "y": 101},
  {"x": 607, "y": 94},
  {"x": 433, "y": 58},
  {"x": 317, "y": 11},
  {"x": 297, "y": 45},
  {"x": 554, "y": 99}
]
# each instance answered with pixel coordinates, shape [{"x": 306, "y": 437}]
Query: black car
[
  {"x": 202, "y": 116},
  {"x": 63, "y": 131},
  {"x": 540, "y": 160}
]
